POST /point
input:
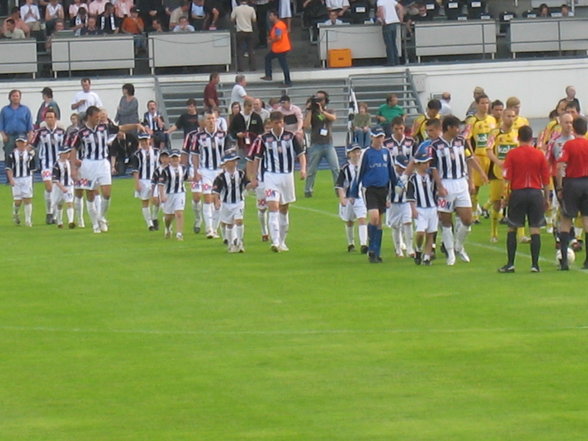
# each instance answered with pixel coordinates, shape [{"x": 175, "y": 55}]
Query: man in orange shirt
[
  {"x": 134, "y": 25},
  {"x": 279, "y": 41}
]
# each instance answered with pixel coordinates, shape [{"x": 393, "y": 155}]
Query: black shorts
[
  {"x": 526, "y": 203},
  {"x": 575, "y": 197},
  {"x": 375, "y": 198}
]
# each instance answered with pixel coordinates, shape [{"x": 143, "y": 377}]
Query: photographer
[{"x": 319, "y": 120}]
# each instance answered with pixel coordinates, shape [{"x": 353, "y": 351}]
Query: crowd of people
[{"x": 418, "y": 179}]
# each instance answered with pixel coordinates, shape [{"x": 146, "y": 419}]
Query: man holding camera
[{"x": 319, "y": 119}]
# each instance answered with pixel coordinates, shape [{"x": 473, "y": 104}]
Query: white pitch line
[{"x": 301, "y": 332}]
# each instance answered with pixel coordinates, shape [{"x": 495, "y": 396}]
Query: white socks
[
  {"x": 262, "y": 216},
  {"x": 70, "y": 214},
  {"x": 284, "y": 224},
  {"x": 447, "y": 234},
  {"x": 197, "y": 210},
  {"x": 79, "y": 210},
  {"x": 207, "y": 214},
  {"x": 397, "y": 240},
  {"x": 461, "y": 233},
  {"x": 274, "y": 227},
  {"x": 239, "y": 230},
  {"x": 154, "y": 212},
  {"x": 147, "y": 216},
  {"x": 92, "y": 213},
  {"x": 48, "y": 204},
  {"x": 349, "y": 232},
  {"x": 408, "y": 234},
  {"x": 363, "y": 234},
  {"x": 104, "y": 205},
  {"x": 28, "y": 211}
]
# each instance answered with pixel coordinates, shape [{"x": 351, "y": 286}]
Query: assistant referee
[
  {"x": 572, "y": 190},
  {"x": 527, "y": 178}
]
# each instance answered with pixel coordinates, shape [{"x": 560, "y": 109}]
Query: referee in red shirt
[
  {"x": 572, "y": 190},
  {"x": 526, "y": 174}
]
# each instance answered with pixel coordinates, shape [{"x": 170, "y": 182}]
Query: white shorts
[
  {"x": 350, "y": 212},
  {"x": 229, "y": 213},
  {"x": 23, "y": 188},
  {"x": 94, "y": 174},
  {"x": 146, "y": 190},
  {"x": 175, "y": 202},
  {"x": 279, "y": 187},
  {"x": 260, "y": 196},
  {"x": 398, "y": 215},
  {"x": 427, "y": 220},
  {"x": 47, "y": 175},
  {"x": 458, "y": 195},
  {"x": 208, "y": 177},
  {"x": 58, "y": 197}
]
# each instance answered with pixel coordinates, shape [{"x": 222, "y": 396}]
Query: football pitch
[{"x": 125, "y": 336}]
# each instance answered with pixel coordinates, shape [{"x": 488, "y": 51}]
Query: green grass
[{"x": 126, "y": 336}]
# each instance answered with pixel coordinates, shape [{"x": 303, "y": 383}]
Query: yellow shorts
[
  {"x": 496, "y": 189},
  {"x": 484, "y": 162}
]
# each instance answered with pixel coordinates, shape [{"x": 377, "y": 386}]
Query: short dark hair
[
  {"x": 450, "y": 121},
  {"x": 129, "y": 88},
  {"x": 434, "y": 104},
  {"x": 212, "y": 76},
  {"x": 573, "y": 104},
  {"x": 51, "y": 110},
  {"x": 525, "y": 134},
  {"x": 14, "y": 91},
  {"x": 397, "y": 121},
  {"x": 90, "y": 111},
  {"x": 580, "y": 126},
  {"x": 276, "y": 116},
  {"x": 10, "y": 20},
  {"x": 481, "y": 97},
  {"x": 496, "y": 103},
  {"x": 433, "y": 122},
  {"x": 191, "y": 102}
]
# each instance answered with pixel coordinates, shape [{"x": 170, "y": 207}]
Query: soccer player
[
  {"x": 573, "y": 189},
  {"x": 453, "y": 161},
  {"x": 399, "y": 215},
  {"x": 62, "y": 193},
  {"x": 419, "y": 130},
  {"x": 48, "y": 140},
  {"x": 228, "y": 188},
  {"x": 348, "y": 211},
  {"x": 143, "y": 165},
  {"x": 478, "y": 127},
  {"x": 172, "y": 194},
  {"x": 399, "y": 143},
  {"x": 501, "y": 141},
  {"x": 514, "y": 103},
  {"x": 420, "y": 194},
  {"x": 20, "y": 165},
  {"x": 527, "y": 185},
  {"x": 155, "y": 201},
  {"x": 377, "y": 176},
  {"x": 496, "y": 109},
  {"x": 277, "y": 150},
  {"x": 207, "y": 147}
]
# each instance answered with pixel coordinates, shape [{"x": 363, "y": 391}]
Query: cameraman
[{"x": 319, "y": 119}]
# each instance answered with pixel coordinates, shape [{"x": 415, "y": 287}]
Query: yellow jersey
[
  {"x": 477, "y": 131},
  {"x": 519, "y": 122},
  {"x": 501, "y": 143},
  {"x": 420, "y": 128}
]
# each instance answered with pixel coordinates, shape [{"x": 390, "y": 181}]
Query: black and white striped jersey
[
  {"x": 450, "y": 157},
  {"x": 152, "y": 121},
  {"x": 157, "y": 174},
  {"x": 230, "y": 186},
  {"x": 144, "y": 162},
  {"x": 48, "y": 142},
  {"x": 173, "y": 179},
  {"x": 93, "y": 143},
  {"x": 22, "y": 163},
  {"x": 347, "y": 176},
  {"x": 406, "y": 146},
  {"x": 62, "y": 173},
  {"x": 421, "y": 189},
  {"x": 210, "y": 147},
  {"x": 277, "y": 153}
]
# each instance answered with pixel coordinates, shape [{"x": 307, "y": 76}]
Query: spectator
[
  {"x": 18, "y": 22},
  {"x": 239, "y": 94},
  {"x": 53, "y": 12},
  {"x": 279, "y": 39},
  {"x": 261, "y": 11},
  {"x": 127, "y": 111},
  {"x": 153, "y": 120},
  {"x": 197, "y": 14},
  {"x": 74, "y": 7},
  {"x": 210, "y": 93},
  {"x": 151, "y": 10},
  {"x": 59, "y": 26},
  {"x": 565, "y": 11},
  {"x": 339, "y": 6},
  {"x": 293, "y": 118},
  {"x": 388, "y": 111},
  {"x": 235, "y": 110},
  {"x": 48, "y": 103},
  {"x": 183, "y": 25},
  {"x": 91, "y": 28},
  {"x": 478, "y": 91},
  {"x": 571, "y": 96},
  {"x": 544, "y": 11},
  {"x": 10, "y": 30},
  {"x": 214, "y": 12},
  {"x": 273, "y": 104},
  {"x": 96, "y": 7},
  {"x": 181, "y": 11},
  {"x": 319, "y": 120},
  {"x": 285, "y": 13},
  {"x": 135, "y": 26},
  {"x": 361, "y": 126},
  {"x": 157, "y": 26},
  {"x": 260, "y": 110},
  {"x": 314, "y": 11},
  {"x": 80, "y": 21},
  {"x": 30, "y": 14},
  {"x": 333, "y": 19},
  {"x": 445, "y": 107},
  {"x": 169, "y": 6},
  {"x": 85, "y": 97},
  {"x": 15, "y": 118},
  {"x": 123, "y": 148},
  {"x": 188, "y": 121},
  {"x": 122, "y": 8},
  {"x": 109, "y": 23},
  {"x": 246, "y": 126},
  {"x": 390, "y": 14},
  {"x": 244, "y": 18}
]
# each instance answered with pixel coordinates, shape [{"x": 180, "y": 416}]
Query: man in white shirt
[
  {"x": 85, "y": 98},
  {"x": 340, "y": 6},
  {"x": 333, "y": 19},
  {"x": 244, "y": 16},
  {"x": 238, "y": 94},
  {"x": 96, "y": 8},
  {"x": 29, "y": 12},
  {"x": 390, "y": 14}
]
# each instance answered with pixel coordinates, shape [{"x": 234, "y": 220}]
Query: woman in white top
[
  {"x": 122, "y": 8},
  {"x": 53, "y": 12},
  {"x": 30, "y": 14}
]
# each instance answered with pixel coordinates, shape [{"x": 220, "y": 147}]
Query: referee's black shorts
[
  {"x": 575, "y": 197},
  {"x": 375, "y": 198},
  {"x": 526, "y": 203}
]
